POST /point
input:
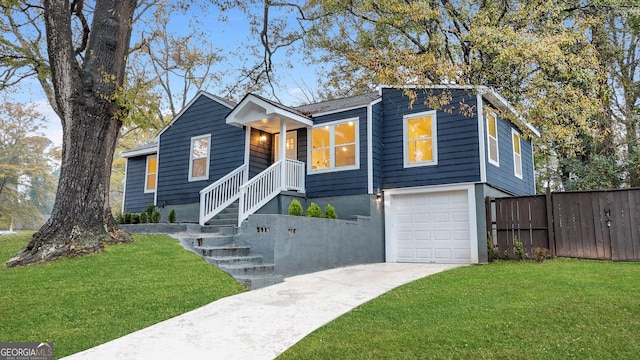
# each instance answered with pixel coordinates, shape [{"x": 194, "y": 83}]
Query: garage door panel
[{"x": 432, "y": 227}]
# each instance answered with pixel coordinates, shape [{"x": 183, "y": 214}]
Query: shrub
[
  {"x": 155, "y": 216},
  {"x": 143, "y": 217},
  {"x": 120, "y": 218},
  {"x": 172, "y": 216},
  {"x": 505, "y": 255},
  {"x": 330, "y": 212},
  {"x": 135, "y": 218},
  {"x": 540, "y": 254},
  {"x": 127, "y": 218},
  {"x": 295, "y": 208},
  {"x": 314, "y": 211},
  {"x": 518, "y": 248}
]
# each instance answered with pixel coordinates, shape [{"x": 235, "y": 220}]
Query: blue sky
[{"x": 233, "y": 35}]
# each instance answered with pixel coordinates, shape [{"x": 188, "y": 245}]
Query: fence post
[{"x": 550, "y": 229}]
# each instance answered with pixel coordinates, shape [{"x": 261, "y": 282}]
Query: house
[{"x": 420, "y": 174}]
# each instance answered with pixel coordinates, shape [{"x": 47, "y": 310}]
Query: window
[
  {"x": 420, "y": 139},
  {"x": 492, "y": 138},
  {"x": 335, "y": 146},
  {"x": 517, "y": 155},
  {"x": 151, "y": 172},
  {"x": 199, "y": 158}
]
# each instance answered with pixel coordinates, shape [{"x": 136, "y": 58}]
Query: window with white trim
[
  {"x": 492, "y": 138},
  {"x": 151, "y": 173},
  {"x": 335, "y": 146},
  {"x": 420, "y": 139},
  {"x": 517, "y": 154},
  {"x": 199, "y": 158}
]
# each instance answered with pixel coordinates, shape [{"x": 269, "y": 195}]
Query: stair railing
[
  {"x": 222, "y": 193},
  {"x": 286, "y": 174}
]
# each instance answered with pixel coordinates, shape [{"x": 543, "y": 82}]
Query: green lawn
[
  {"x": 560, "y": 309},
  {"x": 82, "y": 302}
]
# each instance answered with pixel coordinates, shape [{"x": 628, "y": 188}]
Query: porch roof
[{"x": 266, "y": 115}]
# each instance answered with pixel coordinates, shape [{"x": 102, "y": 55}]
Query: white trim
[
  {"x": 389, "y": 215},
  {"x": 330, "y": 112},
  {"x": 146, "y": 174},
  {"x": 124, "y": 185},
  {"x": 270, "y": 110},
  {"x": 139, "y": 152},
  {"x": 208, "y": 158},
  {"x": 513, "y": 149},
  {"x": 193, "y": 100},
  {"x": 434, "y": 138},
  {"x": 533, "y": 168},
  {"x": 155, "y": 193},
  {"x": 370, "y": 145},
  {"x": 247, "y": 144},
  {"x": 489, "y": 137},
  {"x": 276, "y": 148},
  {"x": 481, "y": 143},
  {"x": 332, "y": 167}
]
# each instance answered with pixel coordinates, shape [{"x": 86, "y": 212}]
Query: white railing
[
  {"x": 222, "y": 193},
  {"x": 268, "y": 184}
]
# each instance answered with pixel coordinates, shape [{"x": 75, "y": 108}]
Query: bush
[
  {"x": 518, "y": 248},
  {"x": 295, "y": 208},
  {"x": 144, "y": 218},
  {"x": 155, "y": 216},
  {"x": 330, "y": 212},
  {"x": 135, "y": 219},
  {"x": 120, "y": 219},
  {"x": 540, "y": 254},
  {"x": 127, "y": 218},
  {"x": 314, "y": 211},
  {"x": 172, "y": 216}
]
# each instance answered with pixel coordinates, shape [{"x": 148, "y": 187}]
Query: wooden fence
[{"x": 587, "y": 224}]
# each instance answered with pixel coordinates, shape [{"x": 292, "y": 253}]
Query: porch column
[{"x": 283, "y": 152}]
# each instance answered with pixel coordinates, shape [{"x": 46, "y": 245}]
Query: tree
[
  {"x": 87, "y": 77},
  {"x": 27, "y": 159}
]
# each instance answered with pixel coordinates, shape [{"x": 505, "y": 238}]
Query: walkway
[{"x": 263, "y": 323}]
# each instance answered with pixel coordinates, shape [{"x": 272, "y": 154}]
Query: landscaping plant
[{"x": 295, "y": 208}]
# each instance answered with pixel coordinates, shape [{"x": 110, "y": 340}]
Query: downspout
[{"x": 481, "y": 138}]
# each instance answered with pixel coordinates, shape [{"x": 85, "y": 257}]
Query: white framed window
[
  {"x": 517, "y": 154},
  {"x": 151, "y": 173},
  {"x": 335, "y": 146},
  {"x": 492, "y": 138},
  {"x": 420, "y": 139},
  {"x": 199, "y": 157}
]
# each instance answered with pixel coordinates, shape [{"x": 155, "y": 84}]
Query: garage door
[{"x": 432, "y": 227}]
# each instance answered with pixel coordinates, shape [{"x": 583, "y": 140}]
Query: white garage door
[{"x": 432, "y": 227}]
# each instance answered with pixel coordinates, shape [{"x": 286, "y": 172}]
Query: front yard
[
  {"x": 83, "y": 302},
  {"x": 560, "y": 309}
]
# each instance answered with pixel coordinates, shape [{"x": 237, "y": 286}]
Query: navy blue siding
[
  {"x": 204, "y": 116},
  {"x": 260, "y": 151},
  {"x": 135, "y": 199},
  {"x": 502, "y": 176},
  {"x": 347, "y": 182},
  {"x": 457, "y": 144},
  {"x": 376, "y": 140}
]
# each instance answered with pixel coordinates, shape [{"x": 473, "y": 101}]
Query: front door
[{"x": 291, "y": 146}]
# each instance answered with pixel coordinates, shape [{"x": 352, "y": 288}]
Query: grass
[
  {"x": 559, "y": 309},
  {"x": 82, "y": 302}
]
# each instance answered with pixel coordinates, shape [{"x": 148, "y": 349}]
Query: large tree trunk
[{"x": 86, "y": 97}]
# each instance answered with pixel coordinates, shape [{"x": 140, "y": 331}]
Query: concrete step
[
  {"x": 229, "y": 250},
  {"x": 223, "y": 222},
  {"x": 259, "y": 281},
  {"x": 248, "y": 269},
  {"x": 234, "y": 260}
]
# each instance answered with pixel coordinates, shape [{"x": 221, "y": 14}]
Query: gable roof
[
  {"x": 225, "y": 102},
  {"x": 486, "y": 92},
  {"x": 266, "y": 115},
  {"x": 339, "y": 104}
]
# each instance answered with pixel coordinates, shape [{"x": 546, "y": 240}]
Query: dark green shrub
[
  {"x": 295, "y": 208},
  {"x": 314, "y": 211},
  {"x": 144, "y": 218},
  {"x": 127, "y": 218},
  {"x": 330, "y": 212},
  {"x": 120, "y": 218},
  {"x": 518, "y": 248},
  {"x": 135, "y": 219},
  {"x": 155, "y": 216},
  {"x": 172, "y": 216},
  {"x": 505, "y": 255}
]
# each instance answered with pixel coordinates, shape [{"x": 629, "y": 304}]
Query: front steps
[{"x": 220, "y": 250}]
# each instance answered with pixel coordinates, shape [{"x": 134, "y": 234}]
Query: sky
[{"x": 231, "y": 36}]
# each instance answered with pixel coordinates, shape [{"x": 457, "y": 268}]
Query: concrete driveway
[{"x": 263, "y": 323}]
